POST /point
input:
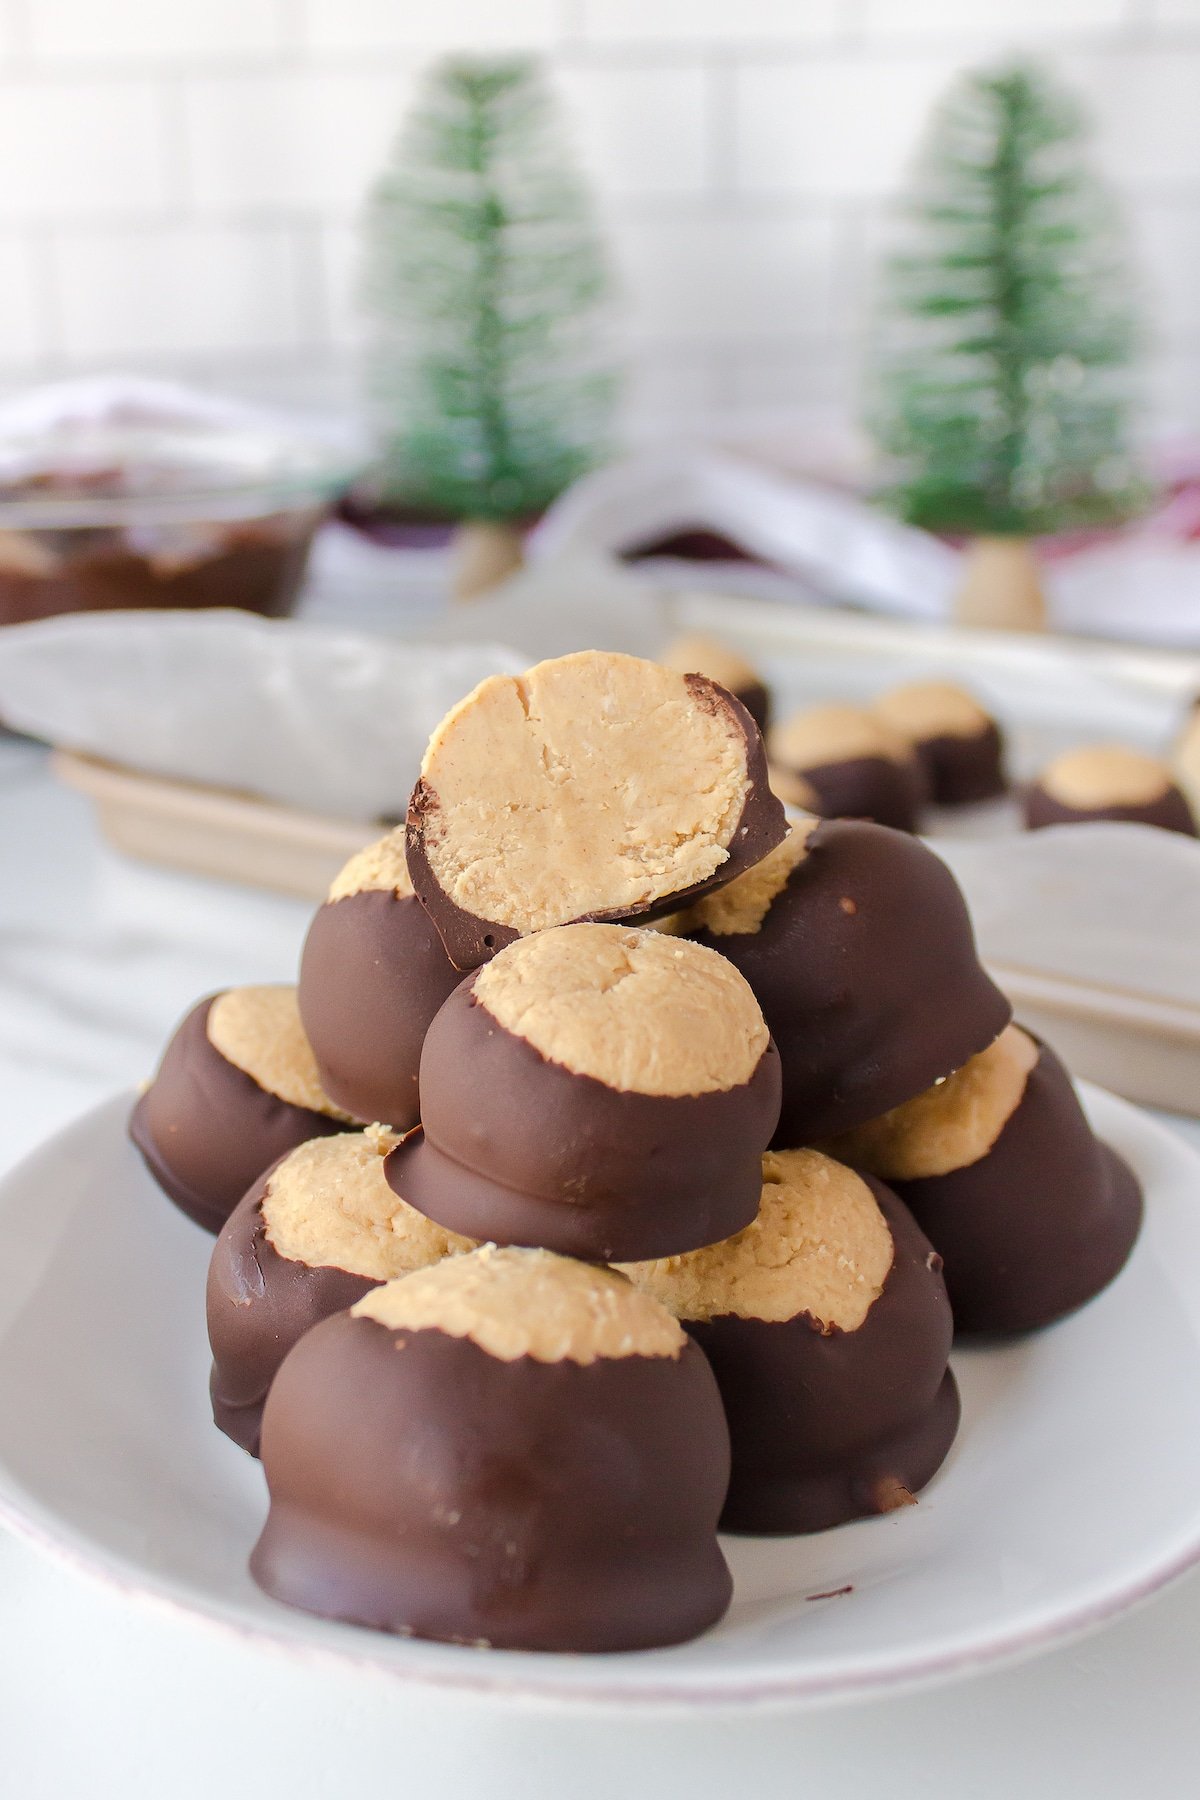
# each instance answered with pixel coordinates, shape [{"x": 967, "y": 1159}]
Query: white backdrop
[{"x": 179, "y": 178}]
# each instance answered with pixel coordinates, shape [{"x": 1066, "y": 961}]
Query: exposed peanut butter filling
[
  {"x": 820, "y": 1245},
  {"x": 379, "y": 868},
  {"x": 927, "y": 709},
  {"x": 593, "y": 783},
  {"x": 696, "y": 654},
  {"x": 1105, "y": 775},
  {"x": 329, "y": 1205},
  {"x": 740, "y": 908},
  {"x": 515, "y": 1303},
  {"x": 258, "y": 1030},
  {"x": 833, "y": 734},
  {"x": 640, "y": 1011},
  {"x": 950, "y": 1125}
]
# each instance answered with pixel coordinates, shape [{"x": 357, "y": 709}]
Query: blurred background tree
[
  {"x": 487, "y": 290},
  {"x": 1002, "y": 357}
]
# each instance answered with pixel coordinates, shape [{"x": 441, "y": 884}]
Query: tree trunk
[
  {"x": 483, "y": 553},
  {"x": 1000, "y": 587}
]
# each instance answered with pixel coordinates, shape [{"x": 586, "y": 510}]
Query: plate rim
[{"x": 476, "y": 1675}]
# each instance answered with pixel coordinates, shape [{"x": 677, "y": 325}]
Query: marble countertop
[{"x": 102, "y": 1696}]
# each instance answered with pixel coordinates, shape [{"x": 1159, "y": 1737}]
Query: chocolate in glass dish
[
  {"x": 145, "y": 496},
  {"x": 573, "y": 1459}
]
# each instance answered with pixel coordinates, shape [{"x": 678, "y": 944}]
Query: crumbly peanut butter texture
[
  {"x": 638, "y": 1010},
  {"x": 592, "y": 783},
  {"x": 258, "y": 1030},
  {"x": 740, "y": 908},
  {"x": 833, "y": 734},
  {"x": 820, "y": 1245},
  {"x": 1105, "y": 775},
  {"x": 695, "y": 654},
  {"x": 921, "y": 710},
  {"x": 515, "y": 1303},
  {"x": 951, "y": 1125},
  {"x": 379, "y": 868},
  {"x": 329, "y": 1205}
]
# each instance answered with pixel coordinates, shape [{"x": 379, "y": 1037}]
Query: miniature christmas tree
[
  {"x": 487, "y": 289},
  {"x": 1005, "y": 339}
]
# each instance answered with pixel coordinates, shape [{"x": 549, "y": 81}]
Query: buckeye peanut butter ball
[
  {"x": 957, "y": 743},
  {"x": 1107, "y": 781},
  {"x": 828, "y": 1329},
  {"x": 237, "y": 1088},
  {"x": 312, "y": 1236},
  {"x": 1031, "y": 1213},
  {"x": 845, "y": 762},
  {"x": 372, "y": 975},
  {"x": 594, "y": 786},
  {"x": 508, "y": 1448},
  {"x": 599, "y": 1090},
  {"x": 858, "y": 945},
  {"x": 695, "y": 654}
]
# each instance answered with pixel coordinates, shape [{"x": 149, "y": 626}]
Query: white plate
[{"x": 1073, "y": 1491}]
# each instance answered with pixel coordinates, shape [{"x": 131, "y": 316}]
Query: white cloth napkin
[
  {"x": 814, "y": 543},
  {"x": 330, "y": 721}
]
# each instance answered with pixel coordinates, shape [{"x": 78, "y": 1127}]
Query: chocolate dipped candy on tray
[
  {"x": 858, "y": 945},
  {"x": 845, "y": 762},
  {"x": 237, "y": 1088},
  {"x": 1031, "y": 1213},
  {"x": 1107, "y": 782},
  {"x": 695, "y": 654},
  {"x": 828, "y": 1329},
  {"x": 372, "y": 974},
  {"x": 598, "y": 1090},
  {"x": 576, "y": 1459},
  {"x": 312, "y": 1236},
  {"x": 594, "y": 786},
  {"x": 957, "y": 743}
]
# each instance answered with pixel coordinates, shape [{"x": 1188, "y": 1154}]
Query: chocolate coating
[
  {"x": 1168, "y": 810},
  {"x": 1041, "y": 1223},
  {"x": 207, "y": 1131},
  {"x": 961, "y": 771},
  {"x": 825, "y": 1424},
  {"x": 259, "y": 1304},
  {"x": 866, "y": 971},
  {"x": 517, "y": 1149},
  {"x": 869, "y": 787},
  {"x": 372, "y": 974},
  {"x": 755, "y": 696},
  {"x": 470, "y": 940},
  {"x": 419, "y": 1485}
]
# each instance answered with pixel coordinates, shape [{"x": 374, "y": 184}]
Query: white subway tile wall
[{"x": 180, "y": 180}]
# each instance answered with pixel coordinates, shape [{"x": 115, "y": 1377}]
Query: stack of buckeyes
[{"x": 593, "y": 1189}]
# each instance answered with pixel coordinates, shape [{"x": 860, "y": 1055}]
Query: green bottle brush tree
[
  {"x": 487, "y": 294},
  {"x": 1002, "y": 356}
]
